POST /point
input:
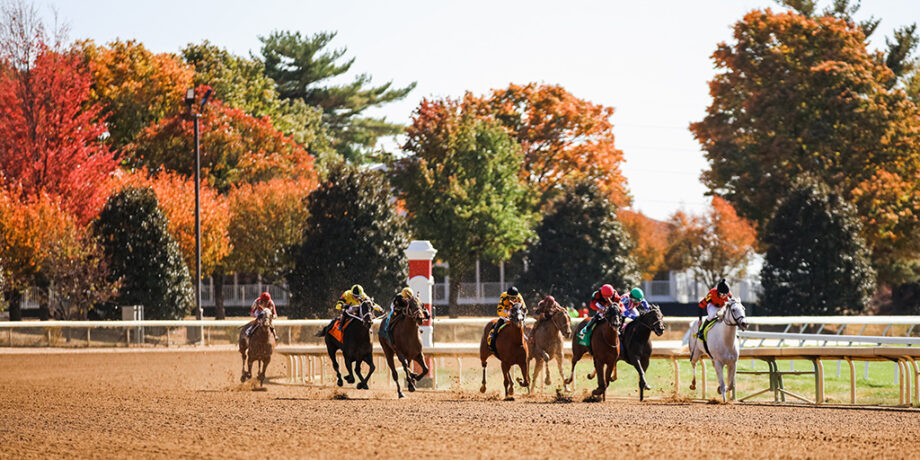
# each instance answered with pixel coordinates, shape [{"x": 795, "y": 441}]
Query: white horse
[{"x": 721, "y": 342}]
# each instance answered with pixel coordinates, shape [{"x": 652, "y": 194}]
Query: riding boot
[
  {"x": 494, "y": 332},
  {"x": 699, "y": 333}
]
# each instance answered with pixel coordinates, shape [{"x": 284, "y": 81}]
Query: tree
[
  {"x": 816, "y": 262},
  {"x": 563, "y": 138},
  {"x": 580, "y": 246},
  {"x": 716, "y": 245},
  {"x": 461, "y": 187},
  {"x": 803, "y": 95},
  {"x": 176, "y": 200},
  {"x": 241, "y": 83},
  {"x": 134, "y": 236},
  {"x": 136, "y": 87},
  {"x": 353, "y": 235},
  {"x": 650, "y": 239},
  {"x": 300, "y": 66},
  {"x": 50, "y": 135},
  {"x": 236, "y": 148}
]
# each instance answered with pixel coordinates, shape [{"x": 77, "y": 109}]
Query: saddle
[
  {"x": 389, "y": 322},
  {"x": 337, "y": 331},
  {"x": 706, "y": 330},
  {"x": 494, "y": 335}
]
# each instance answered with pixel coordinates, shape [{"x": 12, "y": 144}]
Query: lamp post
[{"x": 196, "y": 116}]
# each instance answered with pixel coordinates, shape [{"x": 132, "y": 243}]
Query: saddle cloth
[
  {"x": 706, "y": 330},
  {"x": 338, "y": 329}
]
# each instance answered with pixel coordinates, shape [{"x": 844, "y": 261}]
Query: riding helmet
[
  {"x": 608, "y": 290},
  {"x": 265, "y": 297},
  {"x": 636, "y": 294},
  {"x": 357, "y": 290},
  {"x": 513, "y": 292},
  {"x": 722, "y": 288}
]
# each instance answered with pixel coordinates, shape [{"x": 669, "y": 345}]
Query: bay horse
[
  {"x": 510, "y": 347},
  {"x": 637, "y": 343},
  {"x": 723, "y": 349},
  {"x": 355, "y": 345},
  {"x": 605, "y": 349},
  {"x": 546, "y": 338},
  {"x": 259, "y": 346},
  {"x": 404, "y": 339}
]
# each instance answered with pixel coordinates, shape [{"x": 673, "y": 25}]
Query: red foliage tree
[{"x": 50, "y": 135}]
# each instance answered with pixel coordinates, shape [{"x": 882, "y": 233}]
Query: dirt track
[{"x": 191, "y": 404}]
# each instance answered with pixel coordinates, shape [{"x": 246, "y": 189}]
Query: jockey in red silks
[
  {"x": 713, "y": 302},
  {"x": 602, "y": 300},
  {"x": 264, "y": 301}
]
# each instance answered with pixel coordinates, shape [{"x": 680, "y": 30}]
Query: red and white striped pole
[{"x": 420, "y": 255}]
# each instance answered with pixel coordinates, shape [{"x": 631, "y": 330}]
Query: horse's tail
[{"x": 321, "y": 332}]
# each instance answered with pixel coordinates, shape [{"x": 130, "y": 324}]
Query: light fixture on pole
[{"x": 196, "y": 116}]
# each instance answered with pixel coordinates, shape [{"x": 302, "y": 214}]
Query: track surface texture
[{"x": 191, "y": 404}]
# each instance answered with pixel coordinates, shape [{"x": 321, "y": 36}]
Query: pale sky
[{"x": 650, "y": 60}]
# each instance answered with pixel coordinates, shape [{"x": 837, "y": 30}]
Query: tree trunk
[
  {"x": 13, "y": 299},
  {"x": 452, "y": 306},
  {"x": 44, "y": 301},
  {"x": 219, "y": 312}
]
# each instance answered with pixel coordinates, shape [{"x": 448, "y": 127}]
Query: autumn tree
[
  {"x": 303, "y": 69},
  {"x": 135, "y": 86},
  {"x": 353, "y": 235},
  {"x": 563, "y": 138},
  {"x": 650, "y": 239},
  {"x": 461, "y": 187},
  {"x": 50, "y": 134},
  {"x": 266, "y": 220},
  {"x": 581, "y": 245},
  {"x": 817, "y": 262},
  {"x": 134, "y": 236},
  {"x": 241, "y": 83},
  {"x": 236, "y": 148},
  {"x": 802, "y": 94},
  {"x": 718, "y": 244}
]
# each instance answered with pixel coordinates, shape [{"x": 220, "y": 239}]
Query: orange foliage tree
[
  {"x": 50, "y": 131},
  {"x": 236, "y": 148},
  {"x": 563, "y": 138},
  {"x": 176, "y": 198},
  {"x": 651, "y": 239},
  {"x": 136, "y": 87},
  {"x": 716, "y": 245}
]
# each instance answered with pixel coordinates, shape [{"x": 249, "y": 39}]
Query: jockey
[
  {"x": 601, "y": 300},
  {"x": 263, "y": 301},
  {"x": 632, "y": 306},
  {"x": 507, "y": 299},
  {"x": 403, "y": 298},
  {"x": 348, "y": 302},
  {"x": 713, "y": 302}
]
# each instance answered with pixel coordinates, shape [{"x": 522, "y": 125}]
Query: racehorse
[
  {"x": 723, "y": 349},
  {"x": 545, "y": 341},
  {"x": 259, "y": 346},
  {"x": 510, "y": 349},
  {"x": 355, "y": 345},
  {"x": 605, "y": 348},
  {"x": 637, "y": 343},
  {"x": 404, "y": 340}
]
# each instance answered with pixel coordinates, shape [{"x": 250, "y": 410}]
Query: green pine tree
[
  {"x": 301, "y": 68},
  {"x": 354, "y": 235}
]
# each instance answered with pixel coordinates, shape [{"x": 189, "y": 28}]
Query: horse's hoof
[
  {"x": 692, "y": 386},
  {"x": 339, "y": 382},
  {"x": 243, "y": 378},
  {"x": 363, "y": 386},
  {"x": 401, "y": 396},
  {"x": 647, "y": 387},
  {"x": 350, "y": 379}
]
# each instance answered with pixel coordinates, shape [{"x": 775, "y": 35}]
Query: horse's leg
[
  {"x": 407, "y": 368},
  {"x": 643, "y": 385},
  {"x": 506, "y": 374},
  {"x": 694, "y": 357},
  {"x": 718, "y": 365},
  {"x": 350, "y": 378},
  {"x": 331, "y": 349},
  {"x": 388, "y": 352},
  {"x": 250, "y": 360},
  {"x": 420, "y": 359},
  {"x": 360, "y": 379},
  {"x": 369, "y": 359},
  {"x": 576, "y": 355},
  {"x": 243, "y": 375},
  {"x": 262, "y": 369},
  {"x": 537, "y": 368},
  {"x": 730, "y": 379},
  {"x": 561, "y": 372},
  {"x": 607, "y": 372},
  {"x": 524, "y": 365},
  {"x": 601, "y": 383}
]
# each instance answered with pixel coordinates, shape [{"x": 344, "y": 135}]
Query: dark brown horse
[
  {"x": 355, "y": 345},
  {"x": 637, "y": 343},
  {"x": 605, "y": 348},
  {"x": 510, "y": 349},
  {"x": 546, "y": 338},
  {"x": 404, "y": 340},
  {"x": 259, "y": 346}
]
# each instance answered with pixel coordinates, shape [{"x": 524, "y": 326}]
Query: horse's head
[
  {"x": 562, "y": 320},
  {"x": 653, "y": 320},
  {"x": 366, "y": 312},
  {"x": 517, "y": 314},
  {"x": 264, "y": 317},
  {"x": 735, "y": 314},
  {"x": 415, "y": 310}
]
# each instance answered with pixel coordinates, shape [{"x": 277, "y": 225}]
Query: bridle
[{"x": 737, "y": 320}]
